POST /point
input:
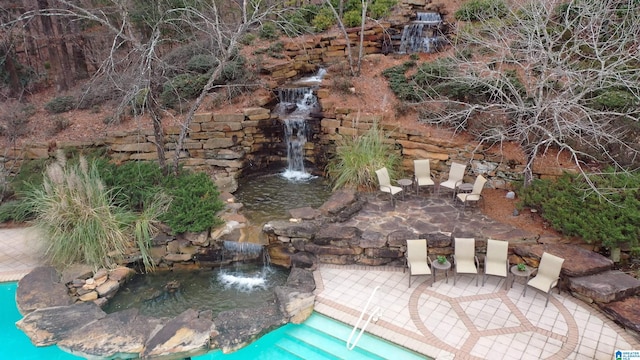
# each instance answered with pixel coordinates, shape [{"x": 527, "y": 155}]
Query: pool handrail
[{"x": 375, "y": 314}]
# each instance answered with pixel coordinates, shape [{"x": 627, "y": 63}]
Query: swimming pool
[{"x": 319, "y": 337}]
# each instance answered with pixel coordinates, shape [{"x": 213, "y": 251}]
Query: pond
[
  {"x": 269, "y": 197},
  {"x": 169, "y": 293}
]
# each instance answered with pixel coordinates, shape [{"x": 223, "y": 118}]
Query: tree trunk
[
  {"x": 56, "y": 69},
  {"x": 10, "y": 68},
  {"x": 158, "y": 135}
]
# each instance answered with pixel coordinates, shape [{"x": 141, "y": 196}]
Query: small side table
[
  {"x": 523, "y": 274},
  {"x": 465, "y": 188},
  {"x": 405, "y": 184},
  {"x": 443, "y": 267}
]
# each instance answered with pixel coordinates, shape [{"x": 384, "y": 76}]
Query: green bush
[
  {"x": 399, "y": 84},
  {"x": 573, "y": 208},
  {"x": 381, "y": 8},
  {"x": 615, "y": 100},
  {"x": 134, "y": 182},
  {"x": 323, "y": 20},
  {"x": 60, "y": 104},
  {"x": 182, "y": 87},
  {"x": 476, "y": 10},
  {"x": 195, "y": 203},
  {"x": 60, "y": 123},
  {"x": 268, "y": 31},
  {"x": 357, "y": 159},
  {"x": 15, "y": 210},
  {"x": 81, "y": 223},
  {"x": 201, "y": 63},
  {"x": 352, "y": 18}
]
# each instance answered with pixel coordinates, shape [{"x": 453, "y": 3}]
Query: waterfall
[
  {"x": 421, "y": 34},
  {"x": 295, "y": 105}
]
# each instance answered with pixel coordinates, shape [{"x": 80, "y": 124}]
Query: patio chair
[
  {"x": 422, "y": 174},
  {"x": 385, "y": 184},
  {"x": 417, "y": 260},
  {"x": 465, "y": 260},
  {"x": 548, "y": 274},
  {"x": 456, "y": 173},
  {"x": 496, "y": 261},
  {"x": 475, "y": 194}
]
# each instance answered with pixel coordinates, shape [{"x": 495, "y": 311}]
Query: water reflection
[{"x": 269, "y": 197}]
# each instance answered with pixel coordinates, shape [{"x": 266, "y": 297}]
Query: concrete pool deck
[{"x": 440, "y": 320}]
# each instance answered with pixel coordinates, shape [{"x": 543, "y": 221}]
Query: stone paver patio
[{"x": 436, "y": 319}]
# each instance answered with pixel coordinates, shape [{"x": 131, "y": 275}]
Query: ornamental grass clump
[
  {"x": 357, "y": 159},
  {"x": 81, "y": 222}
]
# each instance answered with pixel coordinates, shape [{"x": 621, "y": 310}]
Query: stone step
[
  {"x": 577, "y": 261},
  {"x": 625, "y": 313},
  {"x": 605, "y": 287}
]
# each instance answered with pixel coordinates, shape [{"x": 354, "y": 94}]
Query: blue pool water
[{"x": 318, "y": 338}]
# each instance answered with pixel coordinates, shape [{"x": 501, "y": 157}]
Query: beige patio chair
[
  {"x": 496, "y": 261},
  {"x": 385, "y": 184},
  {"x": 422, "y": 174},
  {"x": 417, "y": 260},
  {"x": 465, "y": 260},
  {"x": 548, "y": 274},
  {"x": 475, "y": 194},
  {"x": 456, "y": 173}
]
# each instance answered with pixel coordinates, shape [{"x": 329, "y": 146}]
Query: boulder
[
  {"x": 280, "y": 254},
  {"x": 76, "y": 271},
  {"x": 108, "y": 288},
  {"x": 47, "y": 326},
  {"x": 186, "y": 335},
  {"x": 577, "y": 261},
  {"x": 237, "y": 328},
  {"x": 305, "y": 213},
  {"x": 625, "y": 312},
  {"x": 121, "y": 334},
  {"x": 341, "y": 206},
  {"x": 605, "y": 287},
  {"x": 295, "y": 305},
  {"x": 372, "y": 239},
  {"x": 304, "y": 229},
  {"x": 332, "y": 233},
  {"x": 40, "y": 289},
  {"x": 304, "y": 260}
]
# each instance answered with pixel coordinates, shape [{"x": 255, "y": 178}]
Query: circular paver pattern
[{"x": 471, "y": 321}]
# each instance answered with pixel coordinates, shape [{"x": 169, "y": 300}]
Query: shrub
[
  {"x": 572, "y": 207},
  {"x": 342, "y": 84},
  {"x": 14, "y": 119},
  {"x": 247, "y": 39},
  {"x": 60, "y": 104},
  {"x": 76, "y": 213},
  {"x": 323, "y": 20},
  {"x": 195, "y": 203},
  {"x": 476, "y": 10},
  {"x": 60, "y": 123},
  {"x": 615, "y": 100},
  {"x": 380, "y": 8},
  {"x": 15, "y": 210},
  {"x": 352, "y": 18},
  {"x": 135, "y": 182},
  {"x": 182, "y": 87},
  {"x": 357, "y": 159},
  {"x": 399, "y": 84},
  {"x": 201, "y": 63},
  {"x": 268, "y": 31}
]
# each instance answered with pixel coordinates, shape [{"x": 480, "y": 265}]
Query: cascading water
[
  {"x": 421, "y": 34},
  {"x": 294, "y": 108}
]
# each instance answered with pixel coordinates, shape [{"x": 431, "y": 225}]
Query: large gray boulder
[
  {"x": 186, "y": 335},
  {"x": 238, "y": 328},
  {"x": 119, "y": 335},
  {"x": 49, "y": 325},
  {"x": 41, "y": 288}
]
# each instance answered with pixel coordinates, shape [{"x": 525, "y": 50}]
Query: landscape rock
[
  {"x": 605, "y": 287},
  {"x": 239, "y": 327},
  {"x": 49, "y": 325},
  {"x": 186, "y": 335},
  {"x": 76, "y": 271},
  {"x": 118, "y": 335},
  {"x": 40, "y": 289},
  {"x": 305, "y": 229},
  {"x": 305, "y": 213},
  {"x": 577, "y": 261},
  {"x": 341, "y": 205},
  {"x": 304, "y": 260},
  {"x": 332, "y": 233},
  {"x": 625, "y": 312}
]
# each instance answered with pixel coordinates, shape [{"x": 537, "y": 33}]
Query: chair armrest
[
  {"x": 553, "y": 284},
  {"x": 385, "y": 186}
]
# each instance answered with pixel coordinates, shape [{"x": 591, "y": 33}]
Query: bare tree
[
  {"x": 142, "y": 33},
  {"x": 545, "y": 76}
]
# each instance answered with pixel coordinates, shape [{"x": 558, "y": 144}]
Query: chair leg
[
  {"x": 476, "y": 279},
  {"x": 547, "y": 303}
]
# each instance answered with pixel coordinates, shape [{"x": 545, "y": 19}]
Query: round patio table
[
  {"x": 405, "y": 184},
  {"x": 444, "y": 267},
  {"x": 523, "y": 274}
]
